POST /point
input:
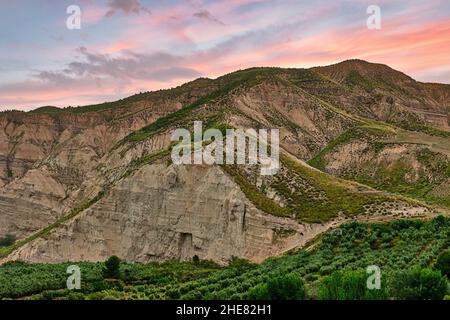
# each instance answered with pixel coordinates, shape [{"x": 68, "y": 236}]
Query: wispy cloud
[
  {"x": 121, "y": 48},
  {"x": 126, "y": 7},
  {"x": 127, "y": 66},
  {"x": 205, "y": 14}
]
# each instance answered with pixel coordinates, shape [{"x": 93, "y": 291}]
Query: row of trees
[
  {"x": 413, "y": 284},
  {"x": 404, "y": 250}
]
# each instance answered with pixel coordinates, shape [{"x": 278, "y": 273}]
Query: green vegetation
[
  {"x": 414, "y": 123},
  {"x": 396, "y": 176},
  {"x": 330, "y": 196},
  {"x": 351, "y": 285},
  {"x": 112, "y": 268},
  {"x": 7, "y": 240},
  {"x": 48, "y": 281},
  {"x": 164, "y": 122},
  {"x": 308, "y": 195},
  {"x": 146, "y": 159},
  {"x": 305, "y": 76},
  {"x": 404, "y": 250},
  {"x": 226, "y": 84},
  {"x": 121, "y": 103},
  {"x": 419, "y": 284},
  {"x": 354, "y": 78},
  {"x": 49, "y": 109},
  {"x": 443, "y": 263},
  {"x": 258, "y": 198},
  {"x": 363, "y": 133},
  {"x": 286, "y": 287},
  {"x": 418, "y": 174}
]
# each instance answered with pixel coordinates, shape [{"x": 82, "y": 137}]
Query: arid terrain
[{"x": 359, "y": 142}]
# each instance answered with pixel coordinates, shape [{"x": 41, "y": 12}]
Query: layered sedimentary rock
[
  {"x": 53, "y": 163},
  {"x": 171, "y": 212}
]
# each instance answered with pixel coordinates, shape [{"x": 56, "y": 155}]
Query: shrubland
[{"x": 411, "y": 254}]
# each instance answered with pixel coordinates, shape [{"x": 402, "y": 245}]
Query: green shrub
[
  {"x": 419, "y": 284},
  {"x": 75, "y": 296},
  {"x": 287, "y": 287},
  {"x": 259, "y": 293},
  {"x": 112, "y": 266},
  {"x": 236, "y": 262},
  {"x": 350, "y": 285},
  {"x": 7, "y": 240},
  {"x": 443, "y": 263}
]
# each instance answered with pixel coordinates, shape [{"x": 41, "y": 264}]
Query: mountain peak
[{"x": 377, "y": 71}]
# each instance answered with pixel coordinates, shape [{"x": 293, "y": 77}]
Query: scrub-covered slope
[{"x": 129, "y": 199}]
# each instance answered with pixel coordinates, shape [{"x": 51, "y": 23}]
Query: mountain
[{"x": 359, "y": 141}]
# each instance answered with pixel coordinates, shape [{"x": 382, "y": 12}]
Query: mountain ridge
[{"x": 82, "y": 174}]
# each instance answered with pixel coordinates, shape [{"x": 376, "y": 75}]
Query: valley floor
[{"x": 333, "y": 267}]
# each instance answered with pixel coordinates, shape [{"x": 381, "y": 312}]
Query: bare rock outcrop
[{"x": 165, "y": 212}]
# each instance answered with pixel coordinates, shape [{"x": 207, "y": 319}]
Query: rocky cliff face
[
  {"x": 166, "y": 212},
  {"x": 169, "y": 212},
  {"x": 306, "y": 125},
  {"x": 83, "y": 133},
  {"x": 94, "y": 181},
  {"x": 46, "y": 159},
  {"x": 26, "y": 139}
]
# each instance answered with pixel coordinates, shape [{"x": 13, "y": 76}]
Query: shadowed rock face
[{"x": 55, "y": 163}]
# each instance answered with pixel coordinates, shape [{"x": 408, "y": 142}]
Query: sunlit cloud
[{"x": 128, "y": 46}]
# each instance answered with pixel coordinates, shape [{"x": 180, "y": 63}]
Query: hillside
[
  {"x": 394, "y": 247},
  {"x": 100, "y": 177}
]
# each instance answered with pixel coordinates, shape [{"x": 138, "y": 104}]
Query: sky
[{"x": 128, "y": 46}]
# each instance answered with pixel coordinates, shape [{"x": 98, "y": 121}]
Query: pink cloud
[
  {"x": 173, "y": 45},
  {"x": 92, "y": 14}
]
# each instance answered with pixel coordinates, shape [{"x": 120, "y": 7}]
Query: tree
[
  {"x": 236, "y": 262},
  {"x": 443, "y": 263},
  {"x": 439, "y": 221},
  {"x": 349, "y": 286},
  {"x": 259, "y": 292},
  {"x": 287, "y": 287},
  {"x": 112, "y": 268},
  {"x": 419, "y": 284},
  {"x": 434, "y": 285}
]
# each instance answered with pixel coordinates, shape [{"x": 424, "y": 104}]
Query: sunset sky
[{"x": 127, "y": 46}]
